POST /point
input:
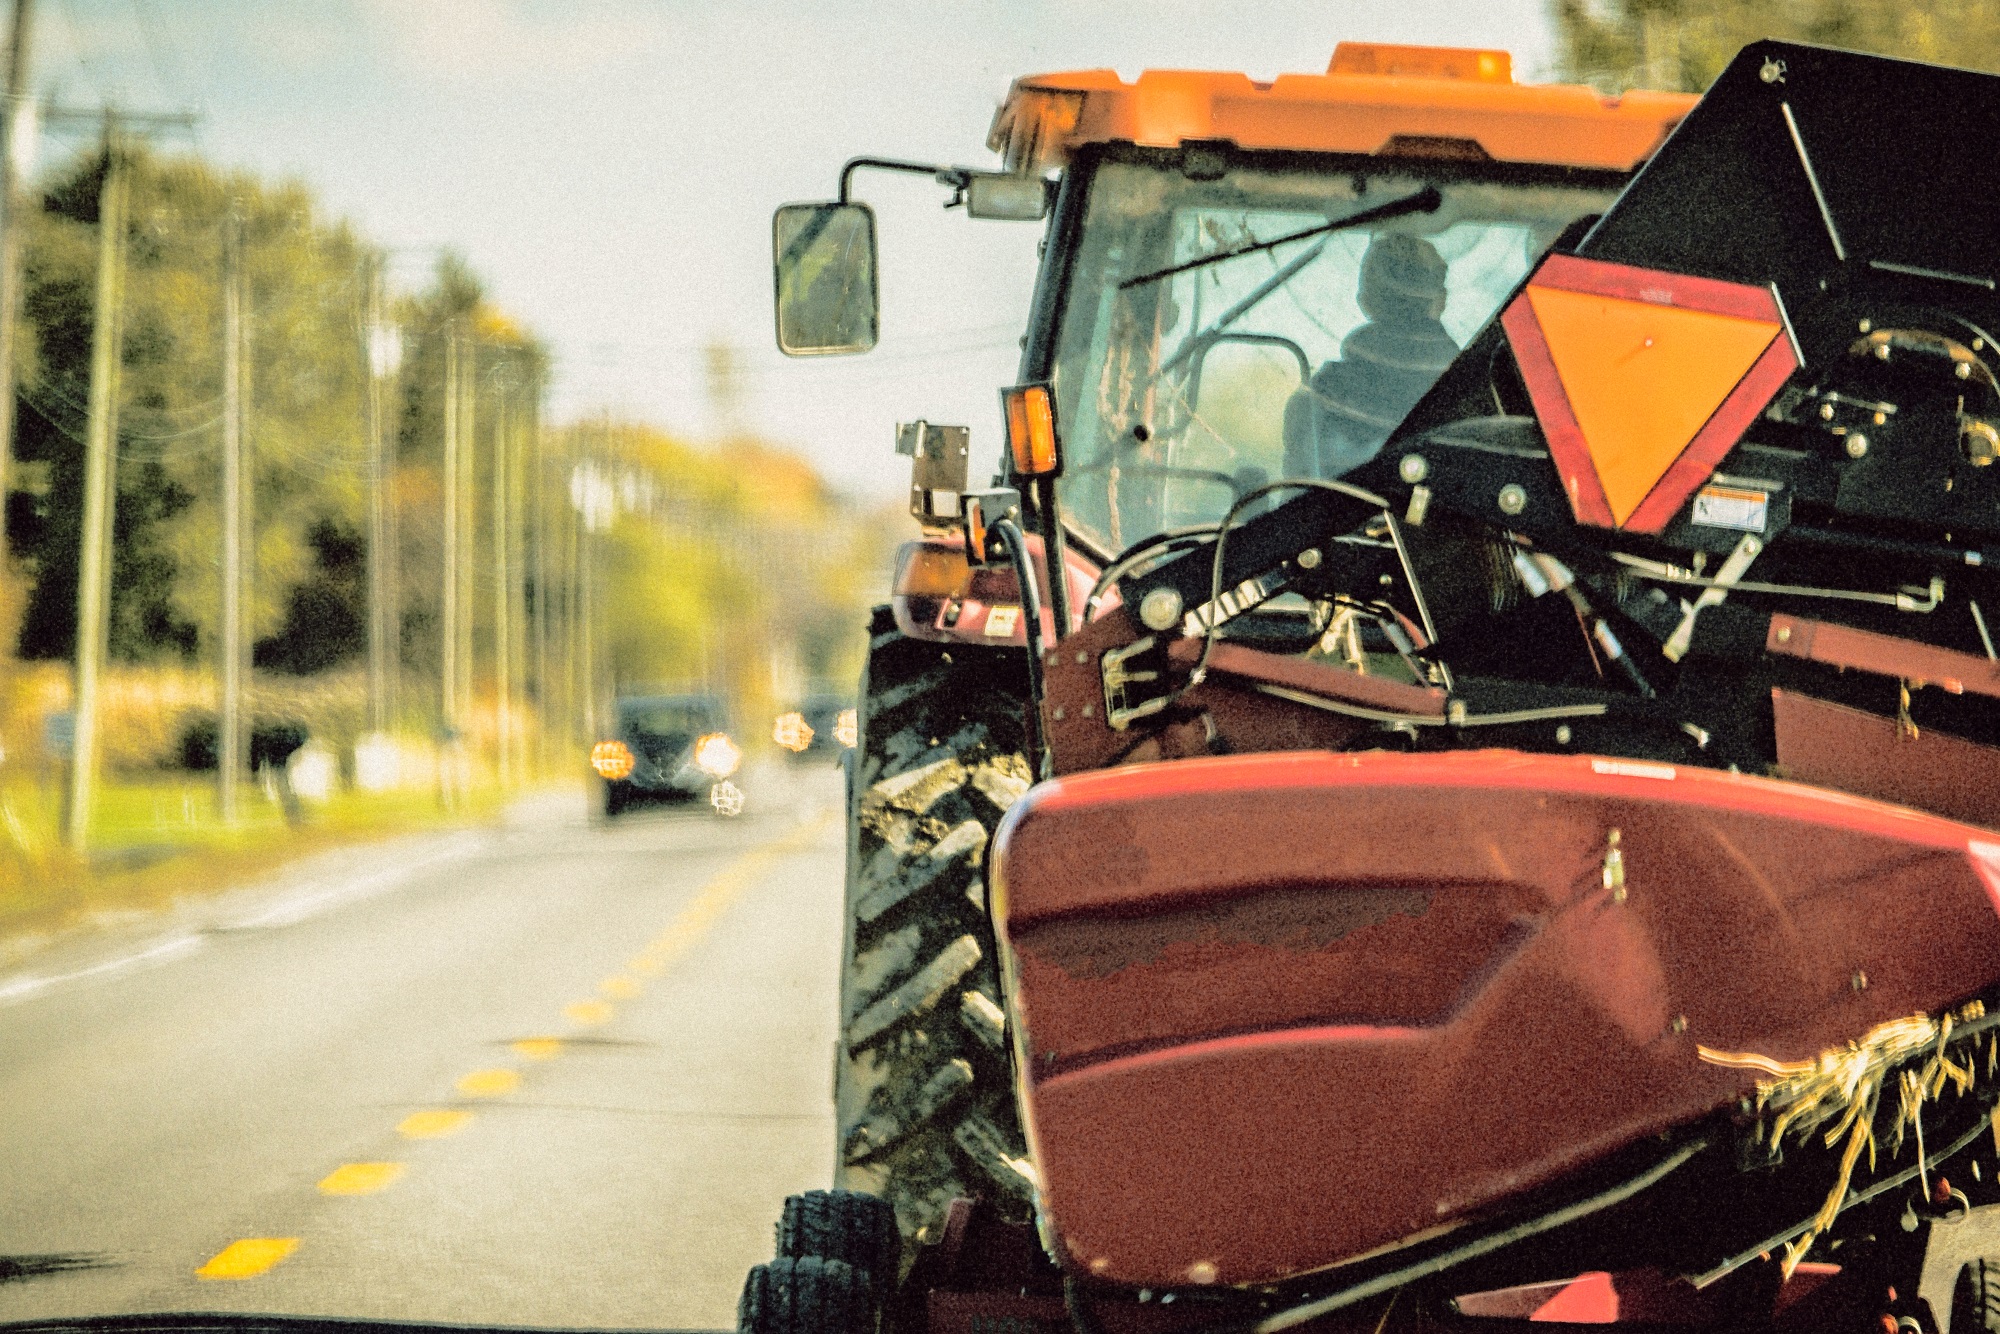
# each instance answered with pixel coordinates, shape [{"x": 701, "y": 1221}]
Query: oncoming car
[{"x": 668, "y": 748}]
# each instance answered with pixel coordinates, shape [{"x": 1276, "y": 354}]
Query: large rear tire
[{"x": 923, "y": 1090}]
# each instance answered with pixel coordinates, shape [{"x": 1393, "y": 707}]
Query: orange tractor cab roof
[{"x": 1399, "y": 100}]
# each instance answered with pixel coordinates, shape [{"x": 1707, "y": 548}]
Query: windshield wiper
[{"x": 1425, "y": 200}]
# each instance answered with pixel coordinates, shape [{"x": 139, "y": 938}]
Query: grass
[{"x": 158, "y": 841}]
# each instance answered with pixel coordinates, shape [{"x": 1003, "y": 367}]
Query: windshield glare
[{"x": 1181, "y": 393}]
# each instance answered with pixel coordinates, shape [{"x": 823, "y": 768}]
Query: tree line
[{"x": 732, "y": 563}]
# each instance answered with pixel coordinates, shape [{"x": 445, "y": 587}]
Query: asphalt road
[{"x": 543, "y": 1075}]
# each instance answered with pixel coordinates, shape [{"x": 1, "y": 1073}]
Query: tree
[{"x": 1684, "y": 44}]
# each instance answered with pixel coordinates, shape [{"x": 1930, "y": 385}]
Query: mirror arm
[{"x": 955, "y": 177}]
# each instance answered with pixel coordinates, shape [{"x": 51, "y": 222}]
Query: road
[{"x": 544, "y": 1074}]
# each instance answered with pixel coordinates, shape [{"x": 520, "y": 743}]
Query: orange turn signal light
[
  {"x": 933, "y": 572},
  {"x": 1031, "y": 430},
  {"x": 612, "y": 760}
]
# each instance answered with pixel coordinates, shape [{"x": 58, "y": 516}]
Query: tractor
[{"x": 1444, "y": 781}]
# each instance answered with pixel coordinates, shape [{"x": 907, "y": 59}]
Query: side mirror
[
  {"x": 823, "y": 260},
  {"x": 1005, "y": 196}
]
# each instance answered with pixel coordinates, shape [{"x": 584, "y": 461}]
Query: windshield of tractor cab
[{"x": 1182, "y": 384}]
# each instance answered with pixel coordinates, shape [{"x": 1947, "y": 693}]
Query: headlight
[
  {"x": 611, "y": 759},
  {"x": 717, "y": 756},
  {"x": 847, "y": 728},
  {"x": 792, "y": 732}
]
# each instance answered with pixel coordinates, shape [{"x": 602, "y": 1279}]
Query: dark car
[{"x": 668, "y": 748}]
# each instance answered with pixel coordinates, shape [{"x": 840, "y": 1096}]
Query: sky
[{"x": 609, "y": 167}]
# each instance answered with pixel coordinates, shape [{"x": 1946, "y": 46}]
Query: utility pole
[
  {"x": 538, "y": 523},
  {"x": 229, "y": 738},
  {"x": 448, "y": 611},
  {"x": 12, "y": 151},
  {"x": 100, "y": 494},
  {"x": 503, "y": 636},
  {"x": 467, "y": 501},
  {"x": 380, "y": 559}
]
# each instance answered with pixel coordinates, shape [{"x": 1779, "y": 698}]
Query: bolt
[
  {"x": 1081, "y": 657},
  {"x": 1857, "y": 445},
  {"x": 1562, "y": 734},
  {"x": 1680, "y": 1024},
  {"x": 1160, "y": 608},
  {"x": 1512, "y": 499},
  {"x": 1784, "y": 634},
  {"x": 1058, "y": 714},
  {"x": 1309, "y": 559},
  {"x": 1866, "y": 325},
  {"x": 1089, "y": 710},
  {"x": 1963, "y": 370},
  {"x": 1826, "y": 412},
  {"x": 1859, "y": 981},
  {"x": 1773, "y": 71},
  {"x": 1413, "y": 469}
]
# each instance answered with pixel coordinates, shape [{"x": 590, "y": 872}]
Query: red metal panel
[
  {"x": 1865, "y": 753},
  {"x": 1280, "y": 1010},
  {"x": 1887, "y": 655}
]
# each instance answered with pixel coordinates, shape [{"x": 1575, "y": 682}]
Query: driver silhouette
[{"x": 1338, "y": 421}]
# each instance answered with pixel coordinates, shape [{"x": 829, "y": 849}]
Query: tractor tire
[
  {"x": 858, "y": 1230},
  {"x": 1975, "y": 1298},
  {"x": 806, "y": 1295},
  {"x": 923, "y": 1087}
]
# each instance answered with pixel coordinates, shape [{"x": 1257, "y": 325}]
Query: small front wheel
[
  {"x": 806, "y": 1294},
  {"x": 1975, "y": 1298}
]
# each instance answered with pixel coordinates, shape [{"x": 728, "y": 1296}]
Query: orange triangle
[{"x": 1642, "y": 379}]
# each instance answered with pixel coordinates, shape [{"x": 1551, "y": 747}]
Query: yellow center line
[
  {"x": 248, "y": 1257},
  {"x": 489, "y": 1083},
  {"x": 537, "y": 1049},
  {"x": 588, "y": 1013},
  {"x": 434, "y": 1124},
  {"x": 694, "y": 920},
  {"x": 360, "y": 1178}
]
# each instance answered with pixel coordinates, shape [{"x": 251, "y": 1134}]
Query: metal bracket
[{"x": 1119, "y": 709}]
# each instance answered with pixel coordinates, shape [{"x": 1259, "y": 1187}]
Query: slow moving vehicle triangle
[{"x": 1643, "y": 380}]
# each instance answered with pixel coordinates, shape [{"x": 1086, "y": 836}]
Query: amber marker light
[
  {"x": 1031, "y": 430},
  {"x": 612, "y": 760},
  {"x": 793, "y": 732},
  {"x": 847, "y": 728}
]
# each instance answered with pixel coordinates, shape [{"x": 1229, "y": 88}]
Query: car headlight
[
  {"x": 611, "y": 759},
  {"x": 717, "y": 756},
  {"x": 792, "y": 732}
]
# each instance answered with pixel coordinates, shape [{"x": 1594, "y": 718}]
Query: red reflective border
[{"x": 1718, "y": 435}]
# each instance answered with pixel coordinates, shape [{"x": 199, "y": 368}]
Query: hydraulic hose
[{"x": 1010, "y": 534}]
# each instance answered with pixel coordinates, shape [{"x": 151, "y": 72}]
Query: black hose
[{"x": 1010, "y": 534}]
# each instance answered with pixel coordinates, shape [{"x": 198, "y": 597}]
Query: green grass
[{"x": 156, "y": 841}]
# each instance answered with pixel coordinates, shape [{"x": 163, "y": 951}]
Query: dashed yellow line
[
  {"x": 588, "y": 1013},
  {"x": 489, "y": 1083},
  {"x": 433, "y": 1124},
  {"x": 360, "y": 1178},
  {"x": 247, "y": 1258}
]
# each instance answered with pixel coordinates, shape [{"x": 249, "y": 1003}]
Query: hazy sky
[{"x": 610, "y": 168}]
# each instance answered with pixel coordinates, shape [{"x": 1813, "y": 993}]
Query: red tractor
[{"x": 1490, "y": 822}]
